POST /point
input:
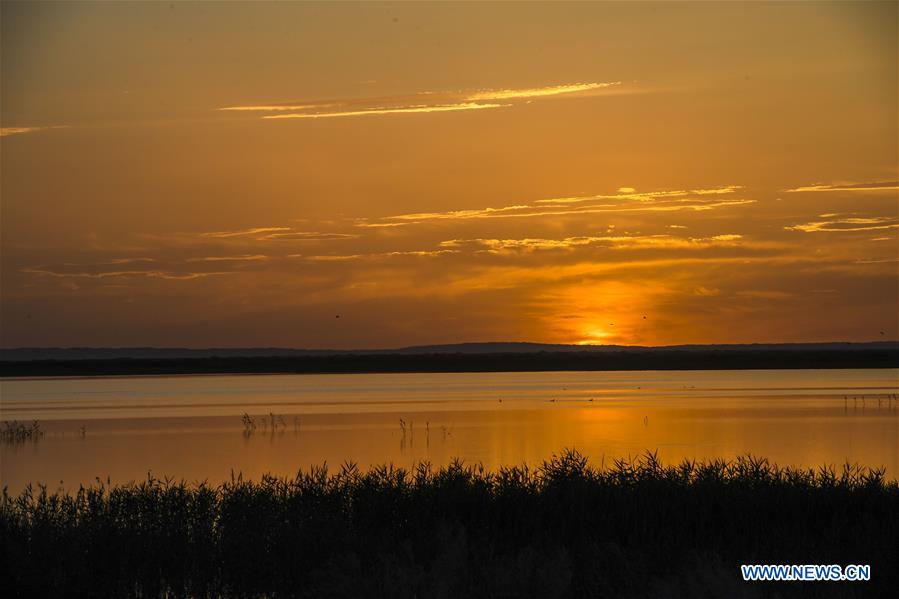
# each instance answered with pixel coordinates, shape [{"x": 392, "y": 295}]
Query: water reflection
[{"x": 202, "y": 428}]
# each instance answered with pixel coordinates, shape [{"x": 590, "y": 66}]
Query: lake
[{"x": 192, "y": 427}]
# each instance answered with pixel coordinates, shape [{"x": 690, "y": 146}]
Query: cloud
[
  {"x": 244, "y": 232},
  {"x": 153, "y": 274},
  {"x": 306, "y": 236},
  {"x": 420, "y": 103},
  {"x": 496, "y": 246},
  {"x": 277, "y": 233},
  {"x": 363, "y": 223},
  {"x": 328, "y": 257},
  {"x": 766, "y": 294},
  {"x": 500, "y": 245},
  {"x": 504, "y": 276},
  {"x": 527, "y": 211},
  {"x": 278, "y": 107},
  {"x": 706, "y": 291},
  {"x": 529, "y": 245},
  {"x": 841, "y": 225},
  {"x": 7, "y": 131},
  {"x": 880, "y": 261},
  {"x": 373, "y": 256},
  {"x": 629, "y": 193},
  {"x": 130, "y": 260},
  {"x": 874, "y": 186},
  {"x": 377, "y": 111},
  {"x": 537, "y": 92},
  {"x": 113, "y": 262},
  {"x": 243, "y": 258},
  {"x": 455, "y": 214}
]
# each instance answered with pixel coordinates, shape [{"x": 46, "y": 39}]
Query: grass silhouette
[
  {"x": 634, "y": 528},
  {"x": 18, "y": 432}
]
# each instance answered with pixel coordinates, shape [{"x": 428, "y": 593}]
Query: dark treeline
[
  {"x": 659, "y": 359},
  {"x": 631, "y": 529}
]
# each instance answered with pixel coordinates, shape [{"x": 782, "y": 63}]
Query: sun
[{"x": 593, "y": 335}]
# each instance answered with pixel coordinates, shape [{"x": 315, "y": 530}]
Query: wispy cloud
[
  {"x": 243, "y": 258},
  {"x": 112, "y": 262},
  {"x": 328, "y": 257},
  {"x": 874, "y": 186},
  {"x": 276, "y": 233},
  {"x": 243, "y": 232},
  {"x": 364, "y": 223},
  {"x": 529, "y": 211},
  {"x": 420, "y": 103},
  {"x": 7, "y": 131},
  {"x": 153, "y": 274},
  {"x": 377, "y": 111},
  {"x": 537, "y": 92},
  {"x": 278, "y": 107},
  {"x": 496, "y": 246},
  {"x": 130, "y": 260},
  {"x": 307, "y": 236},
  {"x": 766, "y": 294},
  {"x": 629, "y": 193},
  {"x": 877, "y": 261},
  {"x": 456, "y": 214},
  {"x": 373, "y": 256},
  {"x": 841, "y": 225}
]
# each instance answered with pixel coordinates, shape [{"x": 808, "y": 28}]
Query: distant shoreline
[{"x": 549, "y": 361}]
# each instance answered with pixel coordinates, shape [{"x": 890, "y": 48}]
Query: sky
[{"x": 343, "y": 175}]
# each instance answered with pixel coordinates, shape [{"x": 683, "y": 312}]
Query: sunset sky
[{"x": 241, "y": 174}]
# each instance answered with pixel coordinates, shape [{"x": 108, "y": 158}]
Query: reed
[
  {"x": 14, "y": 432},
  {"x": 633, "y": 528}
]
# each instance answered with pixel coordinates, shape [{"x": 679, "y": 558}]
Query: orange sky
[{"x": 239, "y": 174}]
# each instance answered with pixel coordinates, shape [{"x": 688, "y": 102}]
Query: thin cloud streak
[
  {"x": 875, "y": 186},
  {"x": 377, "y": 111},
  {"x": 536, "y": 211},
  {"x": 373, "y": 256},
  {"x": 420, "y": 103},
  {"x": 7, "y": 131},
  {"x": 277, "y": 233},
  {"x": 362, "y": 223},
  {"x": 129, "y": 260},
  {"x": 154, "y": 274},
  {"x": 306, "y": 236},
  {"x": 537, "y": 92},
  {"x": 628, "y": 193},
  {"x": 613, "y": 241},
  {"x": 277, "y": 107},
  {"x": 243, "y": 258},
  {"x": 243, "y": 232},
  {"x": 852, "y": 224}
]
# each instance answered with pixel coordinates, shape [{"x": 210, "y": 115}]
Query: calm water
[{"x": 190, "y": 426}]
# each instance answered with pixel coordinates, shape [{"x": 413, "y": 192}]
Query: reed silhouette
[
  {"x": 16, "y": 432},
  {"x": 635, "y": 528}
]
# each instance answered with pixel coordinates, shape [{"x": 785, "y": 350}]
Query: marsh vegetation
[
  {"x": 15, "y": 432},
  {"x": 634, "y": 528}
]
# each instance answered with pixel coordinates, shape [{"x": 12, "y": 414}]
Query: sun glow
[{"x": 594, "y": 335}]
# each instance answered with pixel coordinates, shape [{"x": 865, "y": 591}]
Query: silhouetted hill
[
  {"x": 496, "y": 347},
  {"x": 471, "y": 357}
]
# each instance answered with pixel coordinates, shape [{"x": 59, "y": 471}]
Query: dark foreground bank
[
  {"x": 634, "y": 529},
  {"x": 876, "y": 356}
]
